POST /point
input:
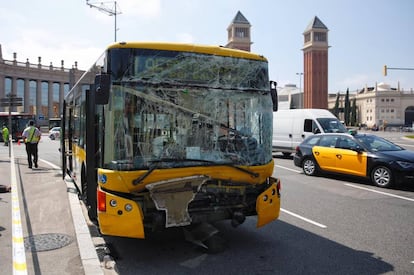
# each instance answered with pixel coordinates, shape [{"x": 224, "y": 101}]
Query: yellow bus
[{"x": 172, "y": 135}]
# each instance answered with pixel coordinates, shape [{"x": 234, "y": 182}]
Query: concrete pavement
[{"x": 54, "y": 231}]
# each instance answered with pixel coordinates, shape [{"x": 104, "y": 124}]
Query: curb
[{"x": 90, "y": 262}]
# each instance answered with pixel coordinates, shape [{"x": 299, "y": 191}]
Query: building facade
[
  {"x": 315, "y": 55},
  {"x": 381, "y": 106},
  {"x": 41, "y": 87}
]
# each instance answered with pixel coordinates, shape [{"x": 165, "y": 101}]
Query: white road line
[
  {"x": 51, "y": 164},
  {"x": 303, "y": 218},
  {"x": 19, "y": 255},
  {"x": 379, "y": 192},
  {"x": 293, "y": 170}
]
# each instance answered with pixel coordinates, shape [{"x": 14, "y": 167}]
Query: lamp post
[
  {"x": 300, "y": 90},
  {"x": 102, "y": 7}
]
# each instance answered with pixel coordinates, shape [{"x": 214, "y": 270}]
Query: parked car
[
  {"x": 363, "y": 155},
  {"x": 54, "y": 133}
]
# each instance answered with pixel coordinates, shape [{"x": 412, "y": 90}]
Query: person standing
[
  {"x": 5, "y": 132},
  {"x": 31, "y": 137}
]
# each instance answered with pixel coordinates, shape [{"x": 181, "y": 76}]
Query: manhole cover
[{"x": 45, "y": 242}]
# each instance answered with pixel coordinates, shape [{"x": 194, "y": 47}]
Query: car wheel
[
  {"x": 52, "y": 137},
  {"x": 309, "y": 167},
  {"x": 381, "y": 176}
]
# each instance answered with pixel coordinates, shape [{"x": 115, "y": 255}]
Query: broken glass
[{"x": 186, "y": 109}]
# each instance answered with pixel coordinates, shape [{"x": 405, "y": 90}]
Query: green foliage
[
  {"x": 347, "y": 109},
  {"x": 354, "y": 113},
  {"x": 336, "y": 107}
]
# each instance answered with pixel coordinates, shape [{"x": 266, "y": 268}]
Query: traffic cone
[{"x": 18, "y": 142}]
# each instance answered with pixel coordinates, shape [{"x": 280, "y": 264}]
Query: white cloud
[
  {"x": 31, "y": 44},
  {"x": 355, "y": 82},
  {"x": 185, "y": 38},
  {"x": 145, "y": 8}
]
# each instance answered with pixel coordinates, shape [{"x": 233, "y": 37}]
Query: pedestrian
[
  {"x": 31, "y": 137},
  {"x": 5, "y": 133}
]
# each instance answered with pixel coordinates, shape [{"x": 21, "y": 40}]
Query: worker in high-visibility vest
[
  {"x": 31, "y": 136},
  {"x": 5, "y": 133}
]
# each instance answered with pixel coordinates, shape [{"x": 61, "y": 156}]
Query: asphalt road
[{"x": 328, "y": 225}]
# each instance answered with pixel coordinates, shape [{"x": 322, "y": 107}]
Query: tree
[
  {"x": 347, "y": 109},
  {"x": 336, "y": 107},
  {"x": 354, "y": 113}
]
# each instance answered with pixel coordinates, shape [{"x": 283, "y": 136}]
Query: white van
[{"x": 291, "y": 127}]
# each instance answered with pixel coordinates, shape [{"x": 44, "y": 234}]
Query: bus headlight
[{"x": 128, "y": 207}]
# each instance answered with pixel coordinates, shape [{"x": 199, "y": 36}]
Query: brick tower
[
  {"x": 315, "y": 55},
  {"x": 239, "y": 33}
]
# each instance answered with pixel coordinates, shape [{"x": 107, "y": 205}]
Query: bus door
[
  {"x": 67, "y": 133},
  {"x": 63, "y": 140}
]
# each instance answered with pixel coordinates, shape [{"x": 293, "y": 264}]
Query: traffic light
[{"x": 384, "y": 72}]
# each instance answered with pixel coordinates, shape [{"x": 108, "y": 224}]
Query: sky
[{"x": 363, "y": 35}]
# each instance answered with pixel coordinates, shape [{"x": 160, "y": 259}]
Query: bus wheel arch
[{"x": 88, "y": 196}]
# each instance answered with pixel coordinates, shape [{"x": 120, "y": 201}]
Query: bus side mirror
[
  {"x": 273, "y": 93},
  {"x": 102, "y": 83}
]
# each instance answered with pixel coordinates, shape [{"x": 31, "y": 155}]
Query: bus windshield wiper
[{"x": 156, "y": 164}]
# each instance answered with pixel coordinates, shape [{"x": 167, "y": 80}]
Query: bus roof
[{"x": 183, "y": 47}]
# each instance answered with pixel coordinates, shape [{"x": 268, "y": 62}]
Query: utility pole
[{"x": 105, "y": 8}]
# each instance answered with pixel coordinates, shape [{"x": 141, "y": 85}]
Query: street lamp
[
  {"x": 102, "y": 7},
  {"x": 300, "y": 90}
]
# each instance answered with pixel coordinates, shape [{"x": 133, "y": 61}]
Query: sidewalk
[{"x": 56, "y": 236}]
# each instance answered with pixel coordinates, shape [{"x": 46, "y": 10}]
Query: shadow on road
[{"x": 278, "y": 248}]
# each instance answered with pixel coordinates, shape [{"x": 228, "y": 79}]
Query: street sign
[
  {"x": 11, "y": 104},
  {"x": 11, "y": 101}
]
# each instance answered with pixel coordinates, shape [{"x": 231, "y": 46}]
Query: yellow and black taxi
[{"x": 362, "y": 155}]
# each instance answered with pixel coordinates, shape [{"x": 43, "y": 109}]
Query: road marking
[
  {"x": 303, "y": 218},
  {"x": 380, "y": 192},
  {"x": 19, "y": 255},
  {"x": 293, "y": 170},
  {"x": 50, "y": 164}
]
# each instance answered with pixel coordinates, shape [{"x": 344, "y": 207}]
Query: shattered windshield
[{"x": 186, "y": 109}]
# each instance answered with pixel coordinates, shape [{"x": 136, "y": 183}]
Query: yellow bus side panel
[
  {"x": 268, "y": 206},
  {"x": 116, "y": 221}
]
